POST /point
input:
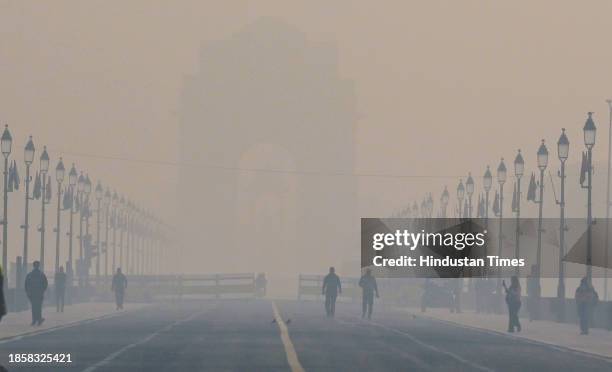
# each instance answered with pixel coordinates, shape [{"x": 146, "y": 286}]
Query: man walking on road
[
  {"x": 331, "y": 289},
  {"x": 60, "y": 289},
  {"x": 368, "y": 287},
  {"x": 35, "y": 286},
  {"x": 119, "y": 286}
]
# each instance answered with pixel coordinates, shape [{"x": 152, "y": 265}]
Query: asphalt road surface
[{"x": 243, "y": 335}]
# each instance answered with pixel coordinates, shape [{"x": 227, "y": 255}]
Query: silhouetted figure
[
  {"x": 513, "y": 300},
  {"x": 331, "y": 289},
  {"x": 586, "y": 300},
  {"x": 428, "y": 288},
  {"x": 119, "y": 285},
  {"x": 369, "y": 288},
  {"x": 533, "y": 294},
  {"x": 456, "y": 286},
  {"x": 261, "y": 284},
  {"x": 60, "y": 289},
  {"x": 2, "y": 301},
  {"x": 35, "y": 286}
]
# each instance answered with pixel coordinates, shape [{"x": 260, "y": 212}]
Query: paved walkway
[
  {"x": 18, "y": 324},
  {"x": 598, "y": 341}
]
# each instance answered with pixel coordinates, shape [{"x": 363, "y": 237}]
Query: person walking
[
  {"x": 513, "y": 300},
  {"x": 35, "y": 286},
  {"x": 586, "y": 300},
  {"x": 119, "y": 285},
  {"x": 60, "y": 289},
  {"x": 369, "y": 288},
  {"x": 331, "y": 289}
]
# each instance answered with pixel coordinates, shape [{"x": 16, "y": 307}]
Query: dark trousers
[
  {"x": 368, "y": 303},
  {"x": 119, "y": 299},
  {"x": 584, "y": 316},
  {"x": 36, "y": 303},
  {"x": 513, "y": 316},
  {"x": 330, "y": 303},
  {"x": 59, "y": 300}
]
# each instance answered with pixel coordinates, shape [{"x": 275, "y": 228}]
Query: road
[{"x": 242, "y": 335}]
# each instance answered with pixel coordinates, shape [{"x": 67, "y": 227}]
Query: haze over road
[{"x": 240, "y": 335}]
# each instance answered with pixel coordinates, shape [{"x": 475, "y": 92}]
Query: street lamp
[
  {"x": 114, "y": 224},
  {"x": 444, "y": 201},
  {"x": 72, "y": 182},
  {"x": 562, "y": 153},
  {"x": 469, "y": 188},
  {"x": 5, "y": 145},
  {"x": 60, "y": 170},
  {"x": 589, "y": 131},
  {"x": 99, "y": 196},
  {"x": 542, "y": 156},
  {"x": 122, "y": 225},
  {"x": 28, "y": 157},
  {"x": 501, "y": 179},
  {"x": 460, "y": 196},
  {"x": 44, "y": 168},
  {"x": 107, "y": 204},
  {"x": 519, "y": 169}
]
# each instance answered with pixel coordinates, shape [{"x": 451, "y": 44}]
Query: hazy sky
[{"x": 452, "y": 84}]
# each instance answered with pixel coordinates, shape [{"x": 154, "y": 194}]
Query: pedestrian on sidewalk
[
  {"x": 119, "y": 285},
  {"x": 35, "y": 286},
  {"x": 60, "y": 289},
  {"x": 2, "y": 301},
  {"x": 331, "y": 289},
  {"x": 513, "y": 300},
  {"x": 586, "y": 300},
  {"x": 369, "y": 288}
]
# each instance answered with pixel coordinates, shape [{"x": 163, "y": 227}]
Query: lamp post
[
  {"x": 444, "y": 201},
  {"x": 542, "y": 156},
  {"x": 87, "y": 213},
  {"x": 589, "y": 131},
  {"x": 107, "y": 204},
  {"x": 607, "y": 246},
  {"x": 44, "y": 168},
  {"x": 563, "y": 153},
  {"x": 60, "y": 170},
  {"x": 123, "y": 219},
  {"x": 99, "y": 196},
  {"x": 28, "y": 158},
  {"x": 487, "y": 182},
  {"x": 519, "y": 169},
  {"x": 501, "y": 179},
  {"x": 5, "y": 145},
  {"x": 469, "y": 189},
  {"x": 79, "y": 198},
  {"x": 460, "y": 197},
  {"x": 114, "y": 224},
  {"x": 72, "y": 182}
]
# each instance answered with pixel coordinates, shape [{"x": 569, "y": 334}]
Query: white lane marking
[
  {"x": 429, "y": 346},
  {"x": 292, "y": 358},
  {"x": 114, "y": 355},
  {"x": 64, "y": 326}
]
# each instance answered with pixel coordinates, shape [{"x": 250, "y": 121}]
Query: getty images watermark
[{"x": 451, "y": 247}]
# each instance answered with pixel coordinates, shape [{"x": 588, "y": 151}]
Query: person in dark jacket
[
  {"x": 35, "y": 286},
  {"x": 2, "y": 301},
  {"x": 586, "y": 299},
  {"x": 369, "y": 288},
  {"x": 513, "y": 300},
  {"x": 60, "y": 289},
  {"x": 119, "y": 285},
  {"x": 331, "y": 289}
]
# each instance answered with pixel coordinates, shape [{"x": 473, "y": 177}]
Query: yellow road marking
[{"x": 292, "y": 358}]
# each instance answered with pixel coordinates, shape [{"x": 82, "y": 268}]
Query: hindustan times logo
[{"x": 411, "y": 240}]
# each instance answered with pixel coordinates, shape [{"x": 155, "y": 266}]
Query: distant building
[{"x": 268, "y": 99}]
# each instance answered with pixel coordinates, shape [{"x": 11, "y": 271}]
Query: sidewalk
[
  {"x": 598, "y": 341},
  {"x": 18, "y": 324}
]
